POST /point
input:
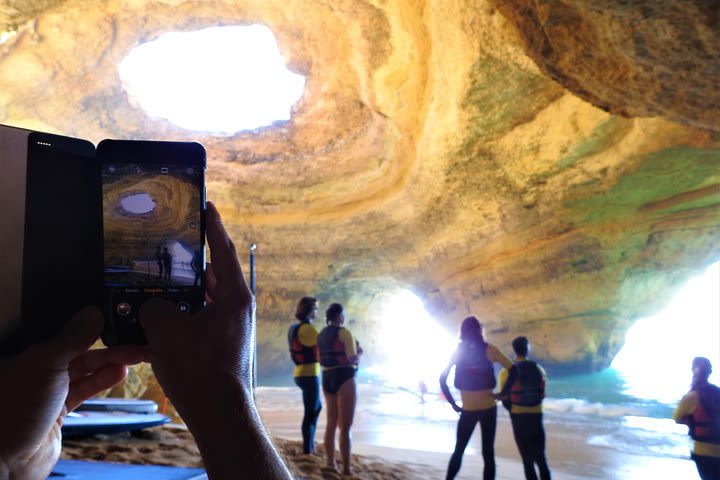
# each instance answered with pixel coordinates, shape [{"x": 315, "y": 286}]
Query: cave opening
[
  {"x": 414, "y": 346},
  {"x": 138, "y": 203},
  {"x": 655, "y": 360},
  {"x": 221, "y": 80}
]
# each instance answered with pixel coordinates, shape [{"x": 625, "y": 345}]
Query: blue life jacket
[
  {"x": 528, "y": 389},
  {"x": 473, "y": 370}
]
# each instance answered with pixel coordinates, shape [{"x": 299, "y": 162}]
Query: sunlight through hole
[{"x": 220, "y": 79}]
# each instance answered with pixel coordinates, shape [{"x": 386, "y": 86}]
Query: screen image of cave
[{"x": 151, "y": 225}]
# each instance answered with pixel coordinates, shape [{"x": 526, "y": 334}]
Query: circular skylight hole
[
  {"x": 220, "y": 79},
  {"x": 138, "y": 203}
]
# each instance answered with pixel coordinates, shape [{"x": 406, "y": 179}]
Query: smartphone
[
  {"x": 153, "y": 219},
  {"x": 50, "y": 245}
]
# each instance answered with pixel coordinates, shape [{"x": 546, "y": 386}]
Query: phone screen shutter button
[
  {"x": 183, "y": 307},
  {"x": 123, "y": 309}
]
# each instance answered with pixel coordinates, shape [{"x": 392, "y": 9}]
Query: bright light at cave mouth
[
  {"x": 658, "y": 351},
  {"x": 415, "y": 346},
  {"x": 220, "y": 79}
]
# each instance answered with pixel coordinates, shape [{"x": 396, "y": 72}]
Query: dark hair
[
  {"x": 333, "y": 312},
  {"x": 305, "y": 307},
  {"x": 703, "y": 363},
  {"x": 471, "y": 330},
  {"x": 520, "y": 346}
]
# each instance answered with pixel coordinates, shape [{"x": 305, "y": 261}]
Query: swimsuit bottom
[{"x": 333, "y": 379}]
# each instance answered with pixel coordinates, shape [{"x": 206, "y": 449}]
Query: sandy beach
[{"x": 388, "y": 445}]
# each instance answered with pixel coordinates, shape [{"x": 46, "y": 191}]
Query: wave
[{"x": 583, "y": 407}]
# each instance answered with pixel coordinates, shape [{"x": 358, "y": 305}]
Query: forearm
[
  {"x": 232, "y": 440},
  {"x": 446, "y": 390}
]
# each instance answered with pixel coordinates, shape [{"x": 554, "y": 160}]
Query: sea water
[{"x": 598, "y": 407}]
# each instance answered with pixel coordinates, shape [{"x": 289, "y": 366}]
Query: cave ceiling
[{"x": 549, "y": 166}]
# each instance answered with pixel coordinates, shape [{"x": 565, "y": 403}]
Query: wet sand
[{"x": 396, "y": 440}]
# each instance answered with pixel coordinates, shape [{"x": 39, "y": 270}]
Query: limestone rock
[{"x": 551, "y": 167}]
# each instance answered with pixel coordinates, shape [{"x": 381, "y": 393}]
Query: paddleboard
[
  {"x": 93, "y": 423},
  {"x": 117, "y": 405},
  {"x": 82, "y": 470}
]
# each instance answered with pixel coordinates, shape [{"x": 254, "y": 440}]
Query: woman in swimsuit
[
  {"x": 475, "y": 378},
  {"x": 339, "y": 357}
]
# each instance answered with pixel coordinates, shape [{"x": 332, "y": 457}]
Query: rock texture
[{"x": 551, "y": 167}]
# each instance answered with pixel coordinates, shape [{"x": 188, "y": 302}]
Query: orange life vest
[
  {"x": 705, "y": 420},
  {"x": 528, "y": 388},
  {"x": 332, "y": 349},
  {"x": 299, "y": 353}
]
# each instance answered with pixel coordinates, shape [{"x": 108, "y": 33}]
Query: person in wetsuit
[
  {"x": 522, "y": 389},
  {"x": 302, "y": 341},
  {"x": 699, "y": 409},
  {"x": 339, "y": 357},
  {"x": 475, "y": 378}
]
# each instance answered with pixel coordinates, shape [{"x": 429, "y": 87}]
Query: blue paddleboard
[
  {"x": 82, "y": 470},
  {"x": 117, "y": 405},
  {"x": 93, "y": 423}
]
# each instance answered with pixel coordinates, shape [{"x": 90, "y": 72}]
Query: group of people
[
  {"x": 164, "y": 262},
  {"x": 337, "y": 353},
  {"x": 522, "y": 389},
  {"x": 203, "y": 364}
]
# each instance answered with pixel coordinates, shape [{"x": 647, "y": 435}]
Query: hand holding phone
[{"x": 153, "y": 201}]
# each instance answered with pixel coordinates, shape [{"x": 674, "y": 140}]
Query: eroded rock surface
[{"x": 551, "y": 167}]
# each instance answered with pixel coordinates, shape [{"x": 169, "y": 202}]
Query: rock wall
[{"x": 551, "y": 167}]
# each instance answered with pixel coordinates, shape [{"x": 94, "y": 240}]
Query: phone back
[
  {"x": 13, "y": 164},
  {"x": 51, "y": 241}
]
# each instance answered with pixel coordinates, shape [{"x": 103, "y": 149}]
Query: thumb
[
  {"x": 158, "y": 317},
  {"x": 75, "y": 338}
]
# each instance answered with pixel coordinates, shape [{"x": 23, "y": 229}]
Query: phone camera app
[
  {"x": 163, "y": 170},
  {"x": 190, "y": 171}
]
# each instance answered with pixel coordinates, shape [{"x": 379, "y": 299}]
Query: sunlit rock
[{"x": 551, "y": 167}]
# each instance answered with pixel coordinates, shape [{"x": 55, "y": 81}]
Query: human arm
[
  {"x": 688, "y": 404},
  {"x": 204, "y": 365},
  {"x": 495, "y": 355},
  {"x": 46, "y": 382},
  {"x": 444, "y": 386},
  {"x": 351, "y": 346}
]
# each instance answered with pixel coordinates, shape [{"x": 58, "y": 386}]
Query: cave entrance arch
[
  {"x": 412, "y": 345},
  {"x": 220, "y": 79},
  {"x": 655, "y": 360}
]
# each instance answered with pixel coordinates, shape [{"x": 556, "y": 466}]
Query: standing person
[
  {"x": 339, "y": 358},
  {"x": 302, "y": 339},
  {"x": 699, "y": 409},
  {"x": 167, "y": 264},
  {"x": 475, "y": 378},
  {"x": 524, "y": 384},
  {"x": 158, "y": 259}
]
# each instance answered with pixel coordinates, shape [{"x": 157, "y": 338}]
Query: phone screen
[{"x": 153, "y": 230}]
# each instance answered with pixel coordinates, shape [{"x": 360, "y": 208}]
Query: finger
[
  {"x": 160, "y": 318},
  {"x": 90, "y": 385},
  {"x": 222, "y": 250},
  {"x": 94, "y": 360},
  {"x": 75, "y": 338}
]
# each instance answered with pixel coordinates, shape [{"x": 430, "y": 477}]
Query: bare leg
[
  {"x": 332, "y": 417},
  {"x": 347, "y": 398}
]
